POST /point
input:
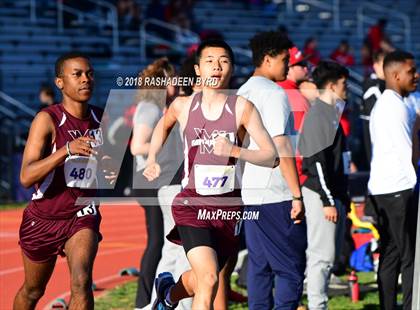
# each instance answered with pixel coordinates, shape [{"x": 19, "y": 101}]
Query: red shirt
[
  {"x": 343, "y": 58},
  {"x": 299, "y": 106},
  {"x": 345, "y": 123},
  {"x": 314, "y": 55},
  {"x": 375, "y": 37}
]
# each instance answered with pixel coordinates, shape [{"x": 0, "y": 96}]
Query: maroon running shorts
[
  {"x": 225, "y": 239},
  {"x": 43, "y": 239}
]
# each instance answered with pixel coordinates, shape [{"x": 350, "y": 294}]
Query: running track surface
[{"x": 124, "y": 240}]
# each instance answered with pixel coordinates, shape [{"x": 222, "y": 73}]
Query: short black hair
[
  {"x": 59, "y": 63},
  {"x": 328, "y": 71},
  {"x": 214, "y": 43},
  {"x": 269, "y": 43},
  {"x": 397, "y": 56}
]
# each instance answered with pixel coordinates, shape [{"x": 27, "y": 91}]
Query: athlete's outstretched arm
[
  {"x": 250, "y": 118},
  {"x": 35, "y": 167}
]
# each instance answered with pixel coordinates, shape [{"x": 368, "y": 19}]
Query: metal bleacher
[
  {"x": 306, "y": 18},
  {"x": 31, "y": 38},
  {"x": 29, "y": 49}
]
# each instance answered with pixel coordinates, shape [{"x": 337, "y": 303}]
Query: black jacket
[
  {"x": 323, "y": 147},
  {"x": 372, "y": 89}
]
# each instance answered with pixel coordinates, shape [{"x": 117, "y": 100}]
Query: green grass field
[
  {"x": 122, "y": 297},
  {"x": 12, "y": 206}
]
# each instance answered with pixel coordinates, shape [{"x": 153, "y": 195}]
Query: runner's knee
[
  {"x": 208, "y": 280},
  {"x": 33, "y": 293}
]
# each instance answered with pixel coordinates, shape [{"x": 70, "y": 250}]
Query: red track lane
[{"x": 123, "y": 229}]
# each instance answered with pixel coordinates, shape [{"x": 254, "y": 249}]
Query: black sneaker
[{"x": 163, "y": 283}]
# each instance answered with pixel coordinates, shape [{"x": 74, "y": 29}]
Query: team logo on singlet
[
  {"x": 93, "y": 133},
  {"x": 206, "y": 141}
]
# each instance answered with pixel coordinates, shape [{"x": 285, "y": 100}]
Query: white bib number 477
[{"x": 214, "y": 179}]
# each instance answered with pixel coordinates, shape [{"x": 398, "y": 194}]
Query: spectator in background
[
  {"x": 174, "y": 259},
  {"x": 276, "y": 242},
  {"x": 156, "y": 10},
  {"x": 326, "y": 164},
  {"x": 373, "y": 87},
  {"x": 172, "y": 10},
  {"x": 414, "y": 100},
  {"x": 187, "y": 70},
  {"x": 387, "y": 46},
  {"x": 297, "y": 73},
  {"x": 180, "y": 13},
  {"x": 310, "y": 50},
  {"x": 393, "y": 177},
  {"x": 184, "y": 35},
  {"x": 342, "y": 54},
  {"x": 128, "y": 15},
  {"x": 177, "y": 8},
  {"x": 150, "y": 108},
  {"x": 366, "y": 56},
  {"x": 376, "y": 34},
  {"x": 46, "y": 96}
]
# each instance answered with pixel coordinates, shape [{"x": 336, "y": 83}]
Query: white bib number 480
[
  {"x": 80, "y": 171},
  {"x": 214, "y": 179},
  {"x": 88, "y": 210}
]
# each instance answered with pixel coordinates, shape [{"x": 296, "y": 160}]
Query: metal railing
[
  {"x": 242, "y": 51},
  {"x": 7, "y": 112},
  {"x": 112, "y": 19},
  {"x": 362, "y": 19},
  {"x": 333, "y": 6},
  {"x": 12, "y": 130},
  {"x": 146, "y": 36},
  {"x": 32, "y": 10},
  {"x": 6, "y": 157},
  {"x": 19, "y": 105}
]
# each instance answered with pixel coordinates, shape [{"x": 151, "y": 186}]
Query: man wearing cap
[{"x": 298, "y": 72}]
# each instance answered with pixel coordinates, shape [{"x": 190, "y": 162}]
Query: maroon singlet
[
  {"x": 198, "y": 136},
  {"x": 53, "y": 199}
]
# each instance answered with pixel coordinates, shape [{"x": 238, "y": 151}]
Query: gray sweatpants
[
  {"x": 324, "y": 242},
  {"x": 173, "y": 258}
]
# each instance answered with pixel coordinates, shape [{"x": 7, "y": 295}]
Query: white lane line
[{"x": 59, "y": 261}]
